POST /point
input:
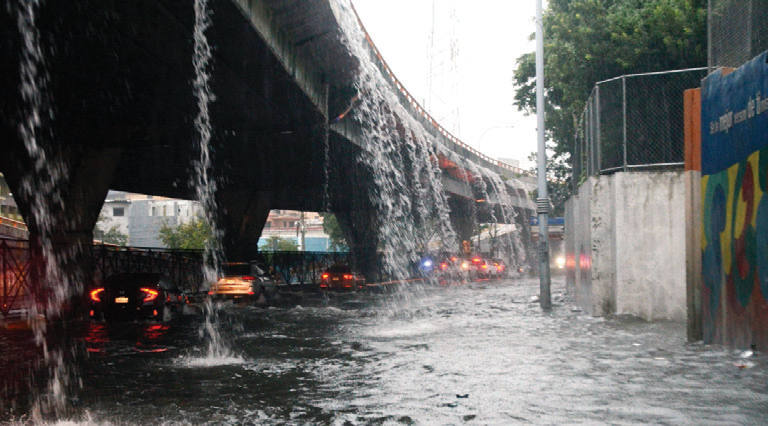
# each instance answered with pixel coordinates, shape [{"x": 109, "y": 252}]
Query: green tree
[
  {"x": 332, "y": 228},
  {"x": 587, "y": 41},
  {"x": 109, "y": 234},
  {"x": 192, "y": 235},
  {"x": 276, "y": 243}
]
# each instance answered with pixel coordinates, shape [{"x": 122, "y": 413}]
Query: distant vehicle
[
  {"x": 134, "y": 296},
  {"x": 468, "y": 270},
  {"x": 341, "y": 277},
  {"x": 427, "y": 266},
  {"x": 449, "y": 269},
  {"x": 243, "y": 281},
  {"x": 485, "y": 269},
  {"x": 501, "y": 268}
]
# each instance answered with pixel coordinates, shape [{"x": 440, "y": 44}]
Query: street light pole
[{"x": 542, "y": 202}]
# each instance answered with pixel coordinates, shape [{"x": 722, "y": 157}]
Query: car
[
  {"x": 135, "y": 296},
  {"x": 243, "y": 281},
  {"x": 427, "y": 266},
  {"x": 341, "y": 277},
  {"x": 484, "y": 269},
  {"x": 449, "y": 270},
  {"x": 501, "y": 268}
]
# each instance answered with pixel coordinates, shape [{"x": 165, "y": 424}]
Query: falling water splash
[
  {"x": 42, "y": 186},
  {"x": 204, "y": 183},
  {"x": 511, "y": 248},
  {"x": 407, "y": 191},
  {"x": 407, "y": 187}
]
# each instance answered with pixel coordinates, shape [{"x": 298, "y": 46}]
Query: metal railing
[
  {"x": 422, "y": 113},
  {"x": 18, "y": 291},
  {"x": 633, "y": 121}
]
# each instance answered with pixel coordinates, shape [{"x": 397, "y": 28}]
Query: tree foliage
[
  {"x": 277, "y": 243},
  {"x": 192, "y": 235},
  {"x": 108, "y": 233},
  {"x": 332, "y": 228},
  {"x": 558, "y": 180},
  {"x": 587, "y": 41}
]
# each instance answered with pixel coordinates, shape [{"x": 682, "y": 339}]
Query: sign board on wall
[{"x": 734, "y": 167}]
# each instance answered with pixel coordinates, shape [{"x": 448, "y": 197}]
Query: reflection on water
[{"x": 479, "y": 353}]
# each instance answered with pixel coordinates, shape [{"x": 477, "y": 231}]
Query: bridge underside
[{"x": 118, "y": 107}]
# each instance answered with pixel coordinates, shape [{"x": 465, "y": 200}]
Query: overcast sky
[{"x": 472, "y": 89}]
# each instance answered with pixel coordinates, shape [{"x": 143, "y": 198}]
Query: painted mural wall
[{"x": 734, "y": 162}]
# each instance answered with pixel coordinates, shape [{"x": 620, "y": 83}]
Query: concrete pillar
[
  {"x": 693, "y": 264},
  {"x": 242, "y": 218},
  {"x": 359, "y": 229},
  {"x": 60, "y": 214},
  {"x": 462, "y": 216}
]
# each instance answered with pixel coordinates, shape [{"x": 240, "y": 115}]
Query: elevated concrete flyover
[{"x": 117, "y": 110}]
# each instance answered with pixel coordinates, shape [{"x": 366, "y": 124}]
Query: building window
[
  {"x": 118, "y": 211},
  {"x": 164, "y": 210}
]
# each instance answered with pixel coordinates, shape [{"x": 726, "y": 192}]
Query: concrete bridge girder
[{"x": 124, "y": 110}]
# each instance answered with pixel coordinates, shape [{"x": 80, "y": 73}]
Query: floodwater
[{"x": 479, "y": 353}]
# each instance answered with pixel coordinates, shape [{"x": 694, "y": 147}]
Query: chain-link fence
[
  {"x": 633, "y": 121},
  {"x": 737, "y": 31}
]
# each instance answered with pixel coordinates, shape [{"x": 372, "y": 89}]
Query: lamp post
[{"x": 542, "y": 202}]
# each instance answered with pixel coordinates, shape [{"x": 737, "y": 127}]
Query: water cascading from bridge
[
  {"x": 511, "y": 246},
  {"x": 411, "y": 204},
  {"x": 407, "y": 192},
  {"x": 50, "y": 282},
  {"x": 205, "y": 184}
]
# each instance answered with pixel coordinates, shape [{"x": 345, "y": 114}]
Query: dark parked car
[
  {"x": 133, "y": 296},
  {"x": 341, "y": 277}
]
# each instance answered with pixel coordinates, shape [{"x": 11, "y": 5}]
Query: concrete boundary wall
[{"x": 625, "y": 243}]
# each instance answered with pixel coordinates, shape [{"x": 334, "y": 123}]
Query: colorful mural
[{"x": 734, "y": 162}]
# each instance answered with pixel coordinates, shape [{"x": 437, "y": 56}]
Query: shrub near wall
[{"x": 734, "y": 161}]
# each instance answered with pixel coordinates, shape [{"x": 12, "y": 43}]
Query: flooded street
[{"x": 480, "y": 353}]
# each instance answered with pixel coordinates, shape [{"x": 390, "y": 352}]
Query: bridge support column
[
  {"x": 60, "y": 215},
  {"x": 359, "y": 230},
  {"x": 463, "y": 218},
  {"x": 245, "y": 213}
]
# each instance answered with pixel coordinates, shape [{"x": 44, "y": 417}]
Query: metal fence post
[
  {"x": 624, "y": 117},
  {"x": 598, "y": 156}
]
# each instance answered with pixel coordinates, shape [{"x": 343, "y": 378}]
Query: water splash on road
[{"x": 203, "y": 180}]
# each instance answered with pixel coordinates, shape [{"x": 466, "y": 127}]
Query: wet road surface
[{"x": 480, "y": 353}]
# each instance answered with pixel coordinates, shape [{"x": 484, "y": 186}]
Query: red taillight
[
  {"x": 249, "y": 278},
  {"x": 476, "y": 260},
  {"x": 150, "y": 294},
  {"x": 325, "y": 276},
  {"x": 484, "y": 266},
  {"x": 95, "y": 294},
  {"x": 443, "y": 265},
  {"x": 347, "y": 277}
]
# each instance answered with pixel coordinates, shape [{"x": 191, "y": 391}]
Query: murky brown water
[{"x": 481, "y": 353}]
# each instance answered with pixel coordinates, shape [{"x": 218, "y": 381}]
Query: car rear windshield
[
  {"x": 232, "y": 269},
  {"x": 339, "y": 268}
]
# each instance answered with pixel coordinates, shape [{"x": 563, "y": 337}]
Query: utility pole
[{"x": 542, "y": 202}]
